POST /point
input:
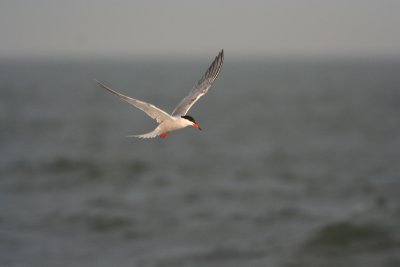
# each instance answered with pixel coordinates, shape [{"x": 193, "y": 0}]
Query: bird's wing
[
  {"x": 154, "y": 112},
  {"x": 201, "y": 87}
]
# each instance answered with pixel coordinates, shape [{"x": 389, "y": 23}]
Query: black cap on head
[{"x": 190, "y": 118}]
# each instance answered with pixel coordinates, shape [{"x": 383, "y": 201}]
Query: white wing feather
[
  {"x": 201, "y": 87},
  {"x": 154, "y": 112}
]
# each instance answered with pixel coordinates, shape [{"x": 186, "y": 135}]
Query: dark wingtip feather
[{"x": 214, "y": 69}]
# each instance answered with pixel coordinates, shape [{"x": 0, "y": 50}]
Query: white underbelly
[{"x": 168, "y": 126}]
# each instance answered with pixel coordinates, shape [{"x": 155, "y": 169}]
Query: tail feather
[{"x": 152, "y": 134}]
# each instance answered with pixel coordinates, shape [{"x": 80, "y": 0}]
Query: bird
[{"x": 178, "y": 119}]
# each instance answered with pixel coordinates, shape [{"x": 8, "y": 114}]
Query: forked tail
[{"x": 152, "y": 134}]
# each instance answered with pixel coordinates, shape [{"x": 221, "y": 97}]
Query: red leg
[{"x": 164, "y": 135}]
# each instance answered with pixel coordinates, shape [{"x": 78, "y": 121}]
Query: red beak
[{"x": 195, "y": 125}]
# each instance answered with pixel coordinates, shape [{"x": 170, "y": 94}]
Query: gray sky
[{"x": 79, "y": 28}]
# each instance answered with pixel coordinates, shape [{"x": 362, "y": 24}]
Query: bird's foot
[{"x": 164, "y": 135}]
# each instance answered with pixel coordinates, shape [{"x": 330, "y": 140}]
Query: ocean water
[{"x": 297, "y": 165}]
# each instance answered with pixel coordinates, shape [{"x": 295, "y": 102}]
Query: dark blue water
[{"x": 297, "y": 165}]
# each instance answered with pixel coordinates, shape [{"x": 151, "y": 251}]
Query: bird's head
[{"x": 192, "y": 121}]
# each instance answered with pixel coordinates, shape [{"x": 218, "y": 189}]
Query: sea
[{"x": 297, "y": 165}]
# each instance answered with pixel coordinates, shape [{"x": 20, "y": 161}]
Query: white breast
[{"x": 175, "y": 124}]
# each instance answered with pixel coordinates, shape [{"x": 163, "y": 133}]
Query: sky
[{"x": 152, "y": 28}]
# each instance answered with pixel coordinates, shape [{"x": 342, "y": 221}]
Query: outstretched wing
[
  {"x": 201, "y": 87},
  {"x": 154, "y": 112}
]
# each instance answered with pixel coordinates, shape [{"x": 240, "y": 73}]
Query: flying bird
[{"x": 178, "y": 118}]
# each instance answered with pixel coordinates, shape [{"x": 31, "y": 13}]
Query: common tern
[{"x": 178, "y": 118}]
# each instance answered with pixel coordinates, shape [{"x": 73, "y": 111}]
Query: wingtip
[
  {"x": 102, "y": 85},
  {"x": 220, "y": 56},
  {"x": 98, "y": 82}
]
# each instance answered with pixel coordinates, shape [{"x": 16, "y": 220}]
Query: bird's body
[
  {"x": 178, "y": 119},
  {"x": 162, "y": 130}
]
